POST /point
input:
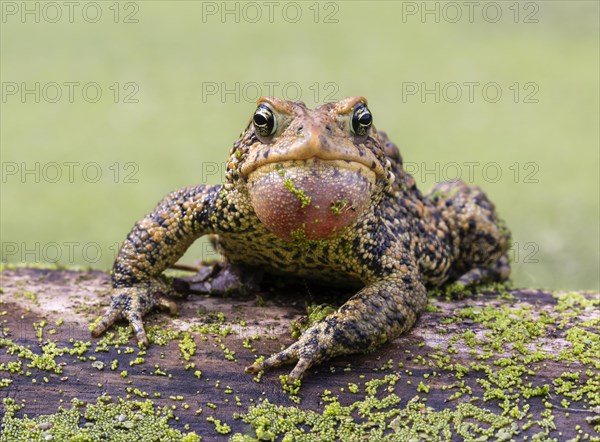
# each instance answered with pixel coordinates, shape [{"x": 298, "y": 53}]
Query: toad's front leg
[
  {"x": 376, "y": 314},
  {"x": 155, "y": 243}
]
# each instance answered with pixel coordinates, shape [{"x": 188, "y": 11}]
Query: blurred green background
[{"x": 178, "y": 82}]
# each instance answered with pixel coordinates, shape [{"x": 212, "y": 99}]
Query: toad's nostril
[{"x": 299, "y": 130}]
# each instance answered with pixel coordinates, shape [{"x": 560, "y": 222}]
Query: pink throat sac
[{"x": 310, "y": 201}]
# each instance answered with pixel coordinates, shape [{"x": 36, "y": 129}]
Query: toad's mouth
[{"x": 310, "y": 199}]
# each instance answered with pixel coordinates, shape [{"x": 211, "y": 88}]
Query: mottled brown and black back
[{"x": 448, "y": 232}]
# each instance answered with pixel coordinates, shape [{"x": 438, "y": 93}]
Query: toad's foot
[
  {"x": 313, "y": 347},
  {"x": 376, "y": 314},
  {"x": 220, "y": 279},
  {"x": 497, "y": 272},
  {"x": 132, "y": 303}
]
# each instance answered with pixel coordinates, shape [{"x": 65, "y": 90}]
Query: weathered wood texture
[{"x": 32, "y": 295}]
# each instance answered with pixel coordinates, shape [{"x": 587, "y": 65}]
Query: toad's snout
[{"x": 310, "y": 199}]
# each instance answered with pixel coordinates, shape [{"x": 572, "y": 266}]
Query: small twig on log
[{"x": 185, "y": 267}]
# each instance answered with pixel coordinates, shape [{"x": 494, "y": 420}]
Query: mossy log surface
[{"x": 502, "y": 364}]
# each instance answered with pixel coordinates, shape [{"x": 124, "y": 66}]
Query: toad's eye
[
  {"x": 361, "y": 120},
  {"x": 264, "y": 121}
]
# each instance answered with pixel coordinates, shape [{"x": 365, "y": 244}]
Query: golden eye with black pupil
[
  {"x": 361, "y": 120},
  {"x": 264, "y": 121}
]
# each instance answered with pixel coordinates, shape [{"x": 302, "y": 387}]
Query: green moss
[
  {"x": 314, "y": 312},
  {"x": 47, "y": 359},
  {"x": 280, "y": 169},
  {"x": 299, "y": 237},
  {"x": 432, "y": 308},
  {"x": 338, "y": 206},
  {"x": 422, "y": 388},
  {"x": 136, "y": 361},
  {"x": 221, "y": 428},
  {"x": 291, "y": 387},
  {"x": 372, "y": 418},
  {"x": 299, "y": 193},
  {"x": 105, "y": 420},
  {"x": 187, "y": 346}
]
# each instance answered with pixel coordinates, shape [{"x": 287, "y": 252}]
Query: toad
[{"x": 318, "y": 194}]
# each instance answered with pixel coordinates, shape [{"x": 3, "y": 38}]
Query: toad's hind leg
[
  {"x": 376, "y": 314},
  {"x": 478, "y": 239}
]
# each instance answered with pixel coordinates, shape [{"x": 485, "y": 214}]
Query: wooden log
[{"x": 504, "y": 364}]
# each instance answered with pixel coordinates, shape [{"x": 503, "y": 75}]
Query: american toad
[{"x": 322, "y": 195}]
